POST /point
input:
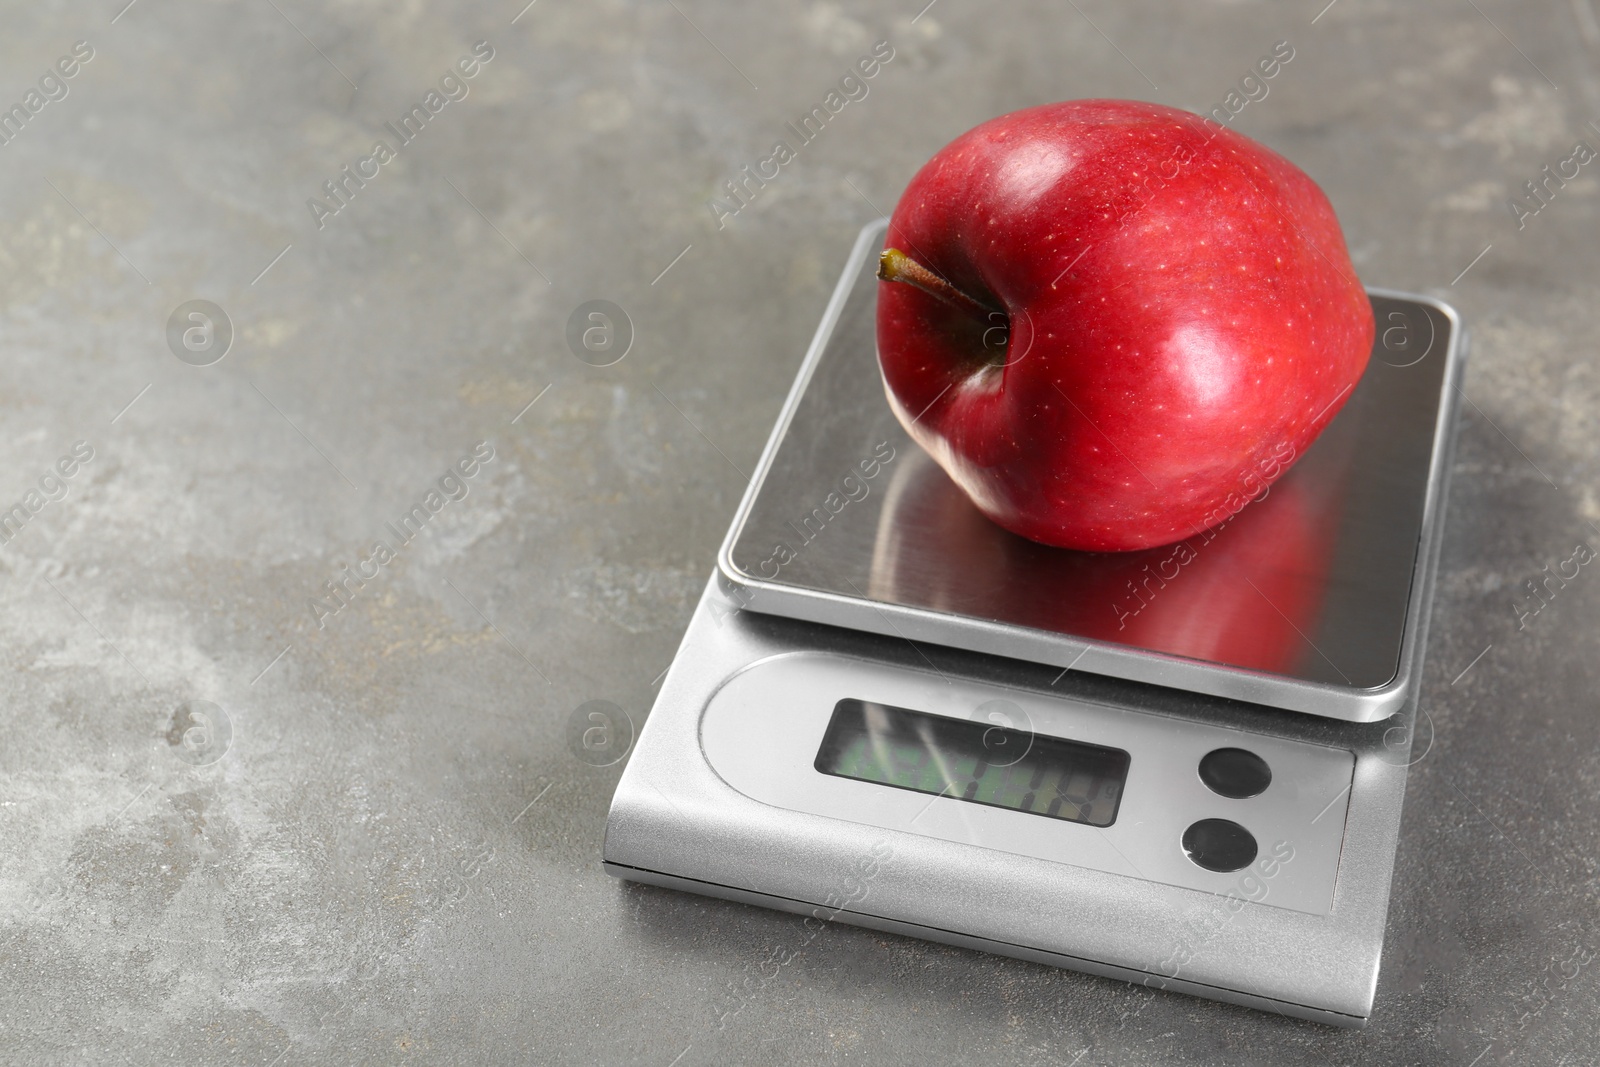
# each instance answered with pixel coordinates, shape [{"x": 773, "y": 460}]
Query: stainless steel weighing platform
[{"x": 1182, "y": 767}]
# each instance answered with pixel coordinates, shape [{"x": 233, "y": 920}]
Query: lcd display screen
[{"x": 974, "y": 761}]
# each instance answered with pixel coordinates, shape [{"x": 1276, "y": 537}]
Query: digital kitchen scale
[{"x": 1182, "y": 767}]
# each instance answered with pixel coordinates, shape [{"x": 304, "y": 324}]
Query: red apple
[{"x": 1116, "y": 315}]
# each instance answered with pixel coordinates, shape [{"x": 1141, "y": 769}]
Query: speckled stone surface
[{"x": 236, "y": 828}]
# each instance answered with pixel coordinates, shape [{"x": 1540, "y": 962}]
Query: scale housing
[{"x": 893, "y": 593}]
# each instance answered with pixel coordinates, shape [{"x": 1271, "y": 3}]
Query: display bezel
[{"x": 847, "y": 723}]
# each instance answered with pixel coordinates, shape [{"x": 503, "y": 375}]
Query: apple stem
[{"x": 895, "y": 266}]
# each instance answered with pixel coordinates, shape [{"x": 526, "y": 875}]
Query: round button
[
  {"x": 1219, "y": 845},
  {"x": 1235, "y": 773}
]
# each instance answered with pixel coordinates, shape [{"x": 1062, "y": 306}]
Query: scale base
[
  {"x": 980, "y": 944},
  {"x": 675, "y": 821}
]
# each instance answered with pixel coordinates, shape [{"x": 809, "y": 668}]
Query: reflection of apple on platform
[{"x": 1243, "y": 593}]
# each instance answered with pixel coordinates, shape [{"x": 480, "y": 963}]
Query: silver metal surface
[
  {"x": 764, "y": 726},
  {"x": 1308, "y": 600},
  {"x": 676, "y": 821},
  {"x": 955, "y": 937}
]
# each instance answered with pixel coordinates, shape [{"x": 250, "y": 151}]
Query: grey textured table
[{"x": 244, "y": 821}]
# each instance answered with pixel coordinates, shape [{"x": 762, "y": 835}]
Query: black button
[
  {"x": 1235, "y": 773},
  {"x": 1219, "y": 845}
]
